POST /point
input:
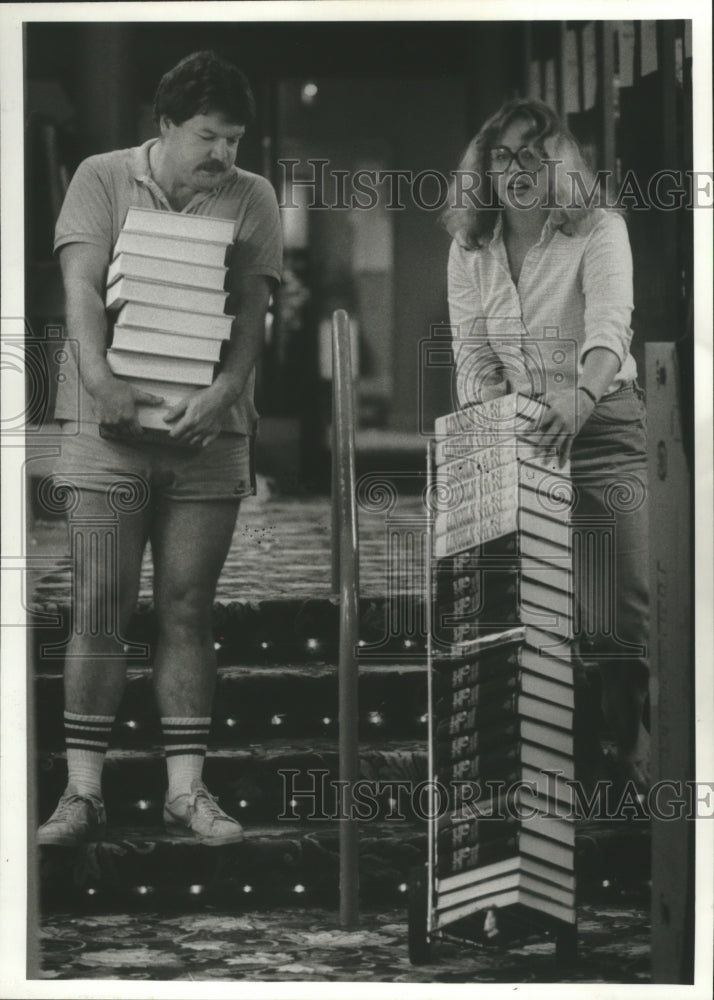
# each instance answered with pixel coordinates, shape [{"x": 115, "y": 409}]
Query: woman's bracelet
[{"x": 587, "y": 392}]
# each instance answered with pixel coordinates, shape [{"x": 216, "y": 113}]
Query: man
[{"x": 186, "y": 493}]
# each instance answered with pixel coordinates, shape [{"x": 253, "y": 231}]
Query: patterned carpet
[
  {"x": 308, "y": 946},
  {"x": 281, "y": 549}
]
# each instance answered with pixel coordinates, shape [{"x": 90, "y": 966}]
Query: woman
[{"x": 540, "y": 299}]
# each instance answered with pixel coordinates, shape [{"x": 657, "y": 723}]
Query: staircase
[{"x": 274, "y": 734}]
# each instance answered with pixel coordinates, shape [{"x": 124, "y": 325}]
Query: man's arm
[
  {"x": 84, "y": 268},
  {"x": 198, "y": 420}
]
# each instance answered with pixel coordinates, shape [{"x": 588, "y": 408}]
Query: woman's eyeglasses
[{"x": 502, "y": 157}]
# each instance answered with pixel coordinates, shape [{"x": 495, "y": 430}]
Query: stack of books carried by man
[
  {"x": 502, "y": 595},
  {"x": 166, "y": 291}
]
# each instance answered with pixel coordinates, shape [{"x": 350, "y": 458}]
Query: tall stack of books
[
  {"x": 166, "y": 287},
  {"x": 502, "y": 593}
]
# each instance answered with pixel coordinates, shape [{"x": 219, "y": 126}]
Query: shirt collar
[
  {"x": 549, "y": 227},
  {"x": 140, "y": 161},
  {"x": 141, "y": 167}
]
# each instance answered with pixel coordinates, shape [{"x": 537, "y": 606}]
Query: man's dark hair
[{"x": 203, "y": 83}]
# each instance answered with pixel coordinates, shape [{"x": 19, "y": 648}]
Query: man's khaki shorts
[{"x": 223, "y": 470}]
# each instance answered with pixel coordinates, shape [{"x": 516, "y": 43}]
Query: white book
[
  {"x": 141, "y": 341},
  {"x": 546, "y": 849},
  {"x": 546, "y": 712},
  {"x": 499, "y": 452},
  {"x": 553, "y": 621},
  {"x": 555, "y": 525},
  {"x": 550, "y": 574},
  {"x": 558, "y": 669},
  {"x": 175, "y": 321},
  {"x": 450, "y": 542},
  {"x": 152, "y": 417},
  {"x": 542, "y": 759},
  {"x": 482, "y": 522},
  {"x": 554, "y": 786},
  {"x": 502, "y": 412},
  {"x": 549, "y": 690},
  {"x": 541, "y": 644},
  {"x": 470, "y": 445},
  {"x": 170, "y": 392},
  {"x": 173, "y": 272},
  {"x": 538, "y": 545},
  {"x": 180, "y": 224},
  {"x": 549, "y": 598},
  {"x": 454, "y": 889},
  {"x": 547, "y": 736},
  {"x": 548, "y": 873},
  {"x": 196, "y": 300},
  {"x": 547, "y": 889},
  {"x": 509, "y": 891},
  {"x": 552, "y": 827},
  {"x": 183, "y": 370},
  {"x": 203, "y": 253},
  {"x": 499, "y": 502}
]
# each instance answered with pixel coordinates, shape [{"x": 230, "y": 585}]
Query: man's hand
[
  {"x": 197, "y": 420},
  {"x": 115, "y": 405},
  {"x": 566, "y": 412}
]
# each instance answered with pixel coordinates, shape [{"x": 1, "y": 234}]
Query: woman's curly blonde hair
[{"x": 472, "y": 220}]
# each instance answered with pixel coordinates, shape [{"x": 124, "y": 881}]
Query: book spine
[
  {"x": 474, "y": 418},
  {"x": 478, "y": 695},
  {"x": 469, "y": 857},
  {"x": 172, "y": 272},
  {"x": 543, "y": 711},
  {"x": 468, "y": 721},
  {"x": 160, "y": 368},
  {"x": 171, "y": 345},
  {"x": 455, "y": 832},
  {"x": 168, "y": 248},
  {"x": 549, "y": 689},
  {"x": 154, "y": 293},
  {"x": 175, "y": 321},
  {"x": 451, "y": 542},
  {"x": 504, "y": 766},
  {"x": 478, "y": 671},
  {"x": 179, "y": 224},
  {"x": 454, "y": 748}
]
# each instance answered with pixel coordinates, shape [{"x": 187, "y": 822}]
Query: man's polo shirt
[
  {"x": 574, "y": 293},
  {"x": 101, "y": 192}
]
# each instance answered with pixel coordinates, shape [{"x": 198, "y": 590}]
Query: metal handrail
[{"x": 345, "y": 582}]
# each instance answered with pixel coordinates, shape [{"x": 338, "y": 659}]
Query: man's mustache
[{"x": 212, "y": 166}]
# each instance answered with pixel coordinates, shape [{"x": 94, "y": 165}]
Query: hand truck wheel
[
  {"x": 420, "y": 944},
  {"x": 566, "y": 944}
]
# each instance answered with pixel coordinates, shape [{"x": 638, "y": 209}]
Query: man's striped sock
[
  {"x": 87, "y": 740},
  {"x": 185, "y": 741}
]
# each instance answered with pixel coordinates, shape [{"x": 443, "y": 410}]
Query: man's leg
[
  {"x": 106, "y": 560},
  {"x": 190, "y": 542}
]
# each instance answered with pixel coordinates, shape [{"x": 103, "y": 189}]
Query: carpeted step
[
  {"x": 264, "y": 632},
  {"x": 255, "y": 703},
  {"x": 256, "y": 783},
  {"x": 288, "y": 865}
]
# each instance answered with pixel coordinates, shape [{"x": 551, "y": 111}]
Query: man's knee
[{"x": 184, "y": 611}]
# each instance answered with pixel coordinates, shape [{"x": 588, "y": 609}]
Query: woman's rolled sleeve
[{"x": 607, "y": 287}]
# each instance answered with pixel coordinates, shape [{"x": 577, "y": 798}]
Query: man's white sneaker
[
  {"x": 196, "y": 814},
  {"x": 78, "y": 818}
]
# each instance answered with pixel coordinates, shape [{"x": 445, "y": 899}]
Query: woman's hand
[
  {"x": 198, "y": 419},
  {"x": 566, "y": 412}
]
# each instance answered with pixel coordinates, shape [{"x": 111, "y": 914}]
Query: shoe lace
[
  {"x": 65, "y": 804},
  {"x": 209, "y": 805}
]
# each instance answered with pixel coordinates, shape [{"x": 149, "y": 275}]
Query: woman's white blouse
[{"x": 573, "y": 293}]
